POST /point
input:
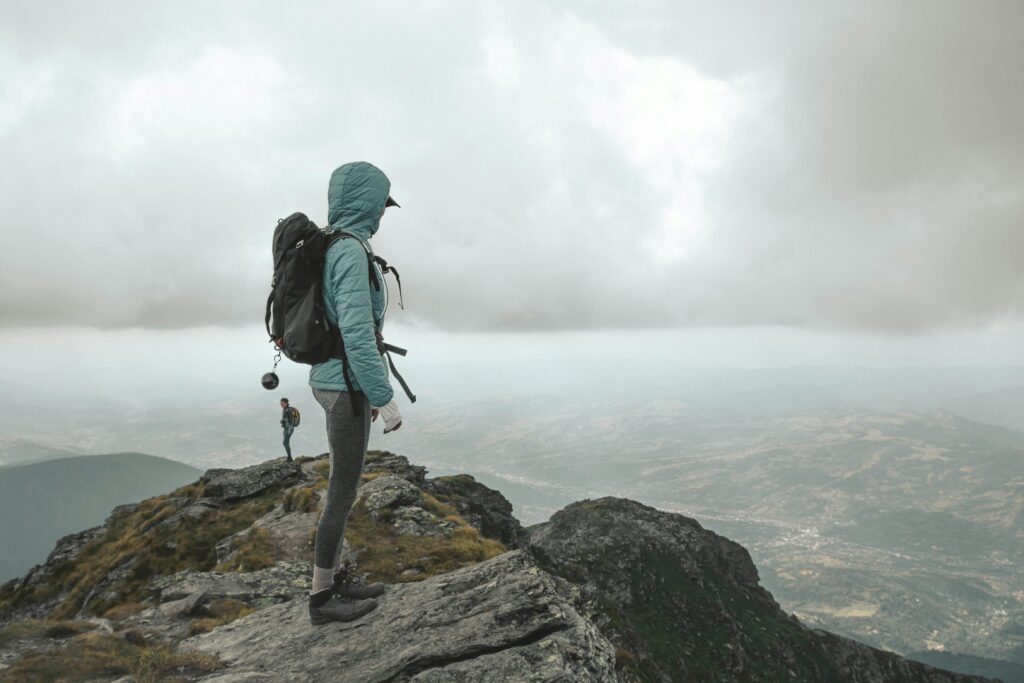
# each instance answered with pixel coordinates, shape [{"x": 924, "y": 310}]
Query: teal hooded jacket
[{"x": 356, "y": 197}]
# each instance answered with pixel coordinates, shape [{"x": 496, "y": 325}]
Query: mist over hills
[
  {"x": 230, "y": 421},
  {"x": 41, "y": 502},
  {"x": 21, "y": 451},
  {"x": 1003, "y": 407}
]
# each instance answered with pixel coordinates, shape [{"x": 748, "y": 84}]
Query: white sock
[{"x": 322, "y": 578}]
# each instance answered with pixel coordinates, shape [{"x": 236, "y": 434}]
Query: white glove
[{"x": 392, "y": 416}]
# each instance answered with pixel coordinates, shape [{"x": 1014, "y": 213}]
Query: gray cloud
[{"x": 679, "y": 164}]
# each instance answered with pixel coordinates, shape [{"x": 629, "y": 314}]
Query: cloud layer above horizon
[{"x": 660, "y": 164}]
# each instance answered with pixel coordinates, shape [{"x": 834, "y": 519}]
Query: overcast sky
[{"x": 856, "y": 166}]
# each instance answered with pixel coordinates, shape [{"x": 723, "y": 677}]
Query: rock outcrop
[
  {"x": 501, "y": 620},
  {"x": 65, "y": 551},
  {"x": 281, "y": 582},
  {"x": 233, "y": 485},
  {"x": 211, "y": 581},
  {"x": 47, "y": 573},
  {"x": 484, "y": 508},
  {"x": 682, "y": 603}
]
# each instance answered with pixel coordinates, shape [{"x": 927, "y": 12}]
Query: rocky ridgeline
[{"x": 208, "y": 583}]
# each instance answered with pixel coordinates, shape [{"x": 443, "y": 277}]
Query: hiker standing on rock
[
  {"x": 289, "y": 420},
  {"x": 355, "y": 390}
]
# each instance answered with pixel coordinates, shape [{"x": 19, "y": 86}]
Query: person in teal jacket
[{"x": 357, "y": 196}]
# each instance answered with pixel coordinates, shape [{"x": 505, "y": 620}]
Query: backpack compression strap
[
  {"x": 266, "y": 320},
  {"x": 391, "y": 364}
]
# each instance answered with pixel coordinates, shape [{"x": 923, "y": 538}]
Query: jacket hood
[{"x": 355, "y": 198}]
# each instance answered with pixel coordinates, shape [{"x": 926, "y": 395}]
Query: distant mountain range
[
  {"x": 21, "y": 452},
  {"x": 1003, "y": 407},
  {"x": 228, "y": 424},
  {"x": 43, "y": 501}
]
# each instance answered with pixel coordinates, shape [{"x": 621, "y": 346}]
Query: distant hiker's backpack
[
  {"x": 295, "y": 319},
  {"x": 296, "y": 417}
]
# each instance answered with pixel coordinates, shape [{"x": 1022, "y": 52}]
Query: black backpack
[{"x": 295, "y": 317}]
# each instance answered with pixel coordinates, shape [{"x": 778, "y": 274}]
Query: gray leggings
[{"x": 348, "y": 436}]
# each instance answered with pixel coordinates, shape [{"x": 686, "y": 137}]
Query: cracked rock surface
[
  {"x": 232, "y": 485},
  {"x": 500, "y": 620},
  {"x": 284, "y": 581}
]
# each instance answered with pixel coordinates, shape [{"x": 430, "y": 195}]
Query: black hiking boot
[
  {"x": 323, "y": 610},
  {"x": 345, "y": 586}
]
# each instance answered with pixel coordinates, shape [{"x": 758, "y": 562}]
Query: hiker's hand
[
  {"x": 374, "y": 412},
  {"x": 392, "y": 416}
]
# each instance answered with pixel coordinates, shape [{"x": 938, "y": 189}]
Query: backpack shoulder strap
[{"x": 344, "y": 234}]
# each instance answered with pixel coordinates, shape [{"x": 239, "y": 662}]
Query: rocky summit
[{"x": 208, "y": 583}]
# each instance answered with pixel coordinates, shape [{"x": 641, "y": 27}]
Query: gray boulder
[
  {"x": 284, "y": 581},
  {"x": 484, "y": 508},
  {"x": 199, "y": 508},
  {"x": 121, "y": 511},
  {"x": 500, "y": 620},
  {"x": 410, "y": 520},
  {"x": 387, "y": 493},
  {"x": 231, "y": 485},
  {"x": 290, "y": 532},
  {"x": 185, "y": 607},
  {"x": 66, "y": 550},
  {"x": 398, "y": 465}
]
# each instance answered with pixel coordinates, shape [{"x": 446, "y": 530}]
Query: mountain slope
[
  {"x": 900, "y": 530},
  {"x": 683, "y": 603},
  {"x": 43, "y": 501},
  {"x": 208, "y": 583}
]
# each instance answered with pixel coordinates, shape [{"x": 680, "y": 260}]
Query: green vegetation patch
[
  {"x": 322, "y": 470},
  {"x": 301, "y": 499},
  {"x": 221, "y": 612},
  {"x": 462, "y": 484},
  {"x": 252, "y": 551},
  {"x": 694, "y": 630},
  {"x": 385, "y": 554},
  {"x": 91, "y": 655},
  {"x": 37, "y": 628}
]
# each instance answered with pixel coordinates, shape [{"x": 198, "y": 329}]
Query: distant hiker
[
  {"x": 353, "y": 390},
  {"x": 289, "y": 421}
]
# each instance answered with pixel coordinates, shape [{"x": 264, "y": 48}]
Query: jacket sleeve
[{"x": 350, "y": 286}]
